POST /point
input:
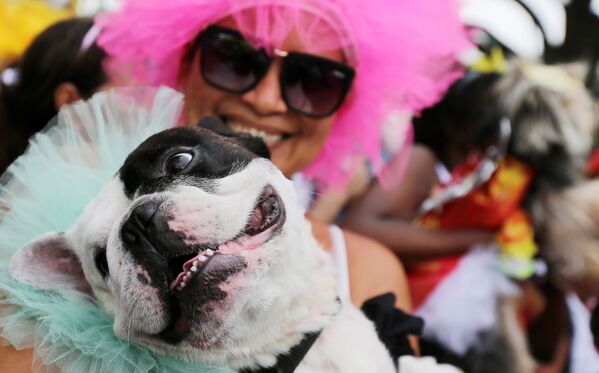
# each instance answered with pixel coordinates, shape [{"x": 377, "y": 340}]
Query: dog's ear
[
  {"x": 49, "y": 263},
  {"x": 251, "y": 143}
]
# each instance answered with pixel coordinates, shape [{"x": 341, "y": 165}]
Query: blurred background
[
  {"x": 547, "y": 31},
  {"x": 552, "y": 31}
]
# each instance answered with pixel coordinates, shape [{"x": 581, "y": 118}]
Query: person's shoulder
[
  {"x": 421, "y": 160},
  {"x": 370, "y": 252},
  {"x": 423, "y": 156},
  {"x": 374, "y": 269}
]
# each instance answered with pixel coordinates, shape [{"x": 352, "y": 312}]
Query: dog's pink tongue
[{"x": 245, "y": 242}]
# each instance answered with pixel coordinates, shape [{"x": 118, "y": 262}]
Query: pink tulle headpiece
[{"x": 404, "y": 53}]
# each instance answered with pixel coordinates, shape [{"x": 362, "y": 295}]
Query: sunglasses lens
[
  {"x": 231, "y": 63},
  {"x": 314, "y": 86}
]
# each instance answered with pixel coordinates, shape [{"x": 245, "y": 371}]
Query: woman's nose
[{"x": 266, "y": 98}]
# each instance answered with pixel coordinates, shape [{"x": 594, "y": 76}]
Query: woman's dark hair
[
  {"x": 54, "y": 57},
  {"x": 451, "y": 125}
]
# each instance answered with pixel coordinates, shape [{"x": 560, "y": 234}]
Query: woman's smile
[{"x": 271, "y": 136}]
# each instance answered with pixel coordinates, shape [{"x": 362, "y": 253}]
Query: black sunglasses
[{"x": 310, "y": 85}]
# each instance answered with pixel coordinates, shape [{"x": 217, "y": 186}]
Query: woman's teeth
[{"x": 268, "y": 138}]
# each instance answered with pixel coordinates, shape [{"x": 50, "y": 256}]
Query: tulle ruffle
[
  {"x": 45, "y": 190},
  {"x": 405, "y": 53},
  {"x": 73, "y": 334}
]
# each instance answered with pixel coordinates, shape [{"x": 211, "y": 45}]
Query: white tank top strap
[
  {"x": 339, "y": 254},
  {"x": 304, "y": 189},
  {"x": 443, "y": 173}
]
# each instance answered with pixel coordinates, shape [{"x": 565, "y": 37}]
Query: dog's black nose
[
  {"x": 140, "y": 220},
  {"x": 144, "y": 212}
]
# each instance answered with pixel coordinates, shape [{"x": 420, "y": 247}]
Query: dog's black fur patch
[
  {"x": 214, "y": 156},
  {"x": 219, "y": 269}
]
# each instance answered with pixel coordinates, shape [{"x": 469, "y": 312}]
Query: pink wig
[{"x": 404, "y": 53}]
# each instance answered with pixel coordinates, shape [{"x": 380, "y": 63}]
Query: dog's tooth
[
  {"x": 202, "y": 258},
  {"x": 209, "y": 252},
  {"x": 195, "y": 264},
  {"x": 182, "y": 284},
  {"x": 194, "y": 268}
]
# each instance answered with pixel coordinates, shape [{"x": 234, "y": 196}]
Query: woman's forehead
[{"x": 297, "y": 31}]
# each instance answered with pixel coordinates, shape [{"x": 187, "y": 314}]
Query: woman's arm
[
  {"x": 373, "y": 269},
  {"x": 386, "y": 215}
]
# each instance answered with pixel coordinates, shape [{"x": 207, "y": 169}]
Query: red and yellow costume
[
  {"x": 593, "y": 164},
  {"x": 493, "y": 206}
]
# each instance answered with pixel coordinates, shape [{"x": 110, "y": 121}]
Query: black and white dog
[{"x": 199, "y": 249}]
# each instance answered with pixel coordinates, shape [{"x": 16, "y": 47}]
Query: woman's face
[{"x": 294, "y": 139}]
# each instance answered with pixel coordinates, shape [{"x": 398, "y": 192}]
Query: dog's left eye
[{"x": 177, "y": 163}]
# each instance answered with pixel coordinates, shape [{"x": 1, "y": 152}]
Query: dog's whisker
[{"x": 129, "y": 323}]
